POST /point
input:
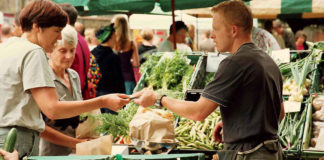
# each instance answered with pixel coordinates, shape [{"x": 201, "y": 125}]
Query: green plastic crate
[
  {"x": 312, "y": 155},
  {"x": 194, "y": 58},
  {"x": 192, "y": 156},
  {"x": 315, "y": 87},
  {"x": 296, "y": 153},
  {"x": 198, "y": 77},
  {"x": 306, "y": 152}
]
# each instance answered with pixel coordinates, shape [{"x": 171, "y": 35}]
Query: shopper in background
[
  {"x": 147, "y": 47},
  {"x": 94, "y": 73},
  {"x": 16, "y": 31},
  {"x": 79, "y": 27},
  {"x": 90, "y": 37},
  {"x": 207, "y": 44},
  {"x": 180, "y": 31},
  {"x": 287, "y": 35},
  {"x": 278, "y": 34},
  {"x": 190, "y": 40},
  {"x": 58, "y": 139},
  {"x": 28, "y": 87},
  {"x": 264, "y": 40},
  {"x": 301, "y": 40},
  {"x": 301, "y": 43},
  {"x": 112, "y": 80},
  {"x": 247, "y": 87},
  {"x": 5, "y": 32},
  {"x": 127, "y": 52},
  {"x": 82, "y": 56}
]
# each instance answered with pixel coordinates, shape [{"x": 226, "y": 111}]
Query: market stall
[
  {"x": 272, "y": 9},
  {"x": 183, "y": 76},
  {"x": 312, "y": 147},
  {"x": 295, "y": 130}
]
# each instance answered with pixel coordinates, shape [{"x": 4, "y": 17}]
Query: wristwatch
[{"x": 158, "y": 102}]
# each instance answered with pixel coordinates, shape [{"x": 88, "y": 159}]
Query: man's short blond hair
[{"x": 235, "y": 12}]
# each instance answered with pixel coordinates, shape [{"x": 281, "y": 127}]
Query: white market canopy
[
  {"x": 140, "y": 21},
  {"x": 270, "y": 9}
]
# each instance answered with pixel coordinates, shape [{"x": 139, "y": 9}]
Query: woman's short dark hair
[
  {"x": 178, "y": 25},
  {"x": 44, "y": 13}
]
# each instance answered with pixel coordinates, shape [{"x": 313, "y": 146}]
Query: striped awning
[{"x": 270, "y": 9}]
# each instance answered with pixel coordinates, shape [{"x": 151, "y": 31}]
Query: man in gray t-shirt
[
  {"x": 247, "y": 87},
  {"x": 242, "y": 87}
]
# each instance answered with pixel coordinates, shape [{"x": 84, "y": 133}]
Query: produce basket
[
  {"x": 306, "y": 151},
  {"x": 193, "y": 156},
  {"x": 294, "y": 150},
  {"x": 194, "y": 60},
  {"x": 197, "y": 145}
]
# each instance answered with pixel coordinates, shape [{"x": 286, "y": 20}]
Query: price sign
[
  {"x": 282, "y": 56},
  {"x": 213, "y": 61},
  {"x": 291, "y": 106}
]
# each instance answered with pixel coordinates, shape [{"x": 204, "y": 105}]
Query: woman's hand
[{"x": 115, "y": 101}]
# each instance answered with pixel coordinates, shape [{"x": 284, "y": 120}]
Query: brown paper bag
[
  {"x": 99, "y": 146},
  {"x": 87, "y": 129},
  {"x": 152, "y": 125}
]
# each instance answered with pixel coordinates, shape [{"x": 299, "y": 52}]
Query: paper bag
[
  {"x": 152, "y": 125},
  {"x": 99, "y": 146},
  {"x": 87, "y": 129}
]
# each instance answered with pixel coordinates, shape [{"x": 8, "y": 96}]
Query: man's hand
[
  {"x": 9, "y": 156},
  {"x": 146, "y": 98},
  {"x": 218, "y": 132},
  {"x": 115, "y": 101}
]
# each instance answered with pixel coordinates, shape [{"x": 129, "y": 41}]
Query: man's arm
[
  {"x": 48, "y": 102},
  {"x": 197, "y": 111},
  {"x": 58, "y": 138}
]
